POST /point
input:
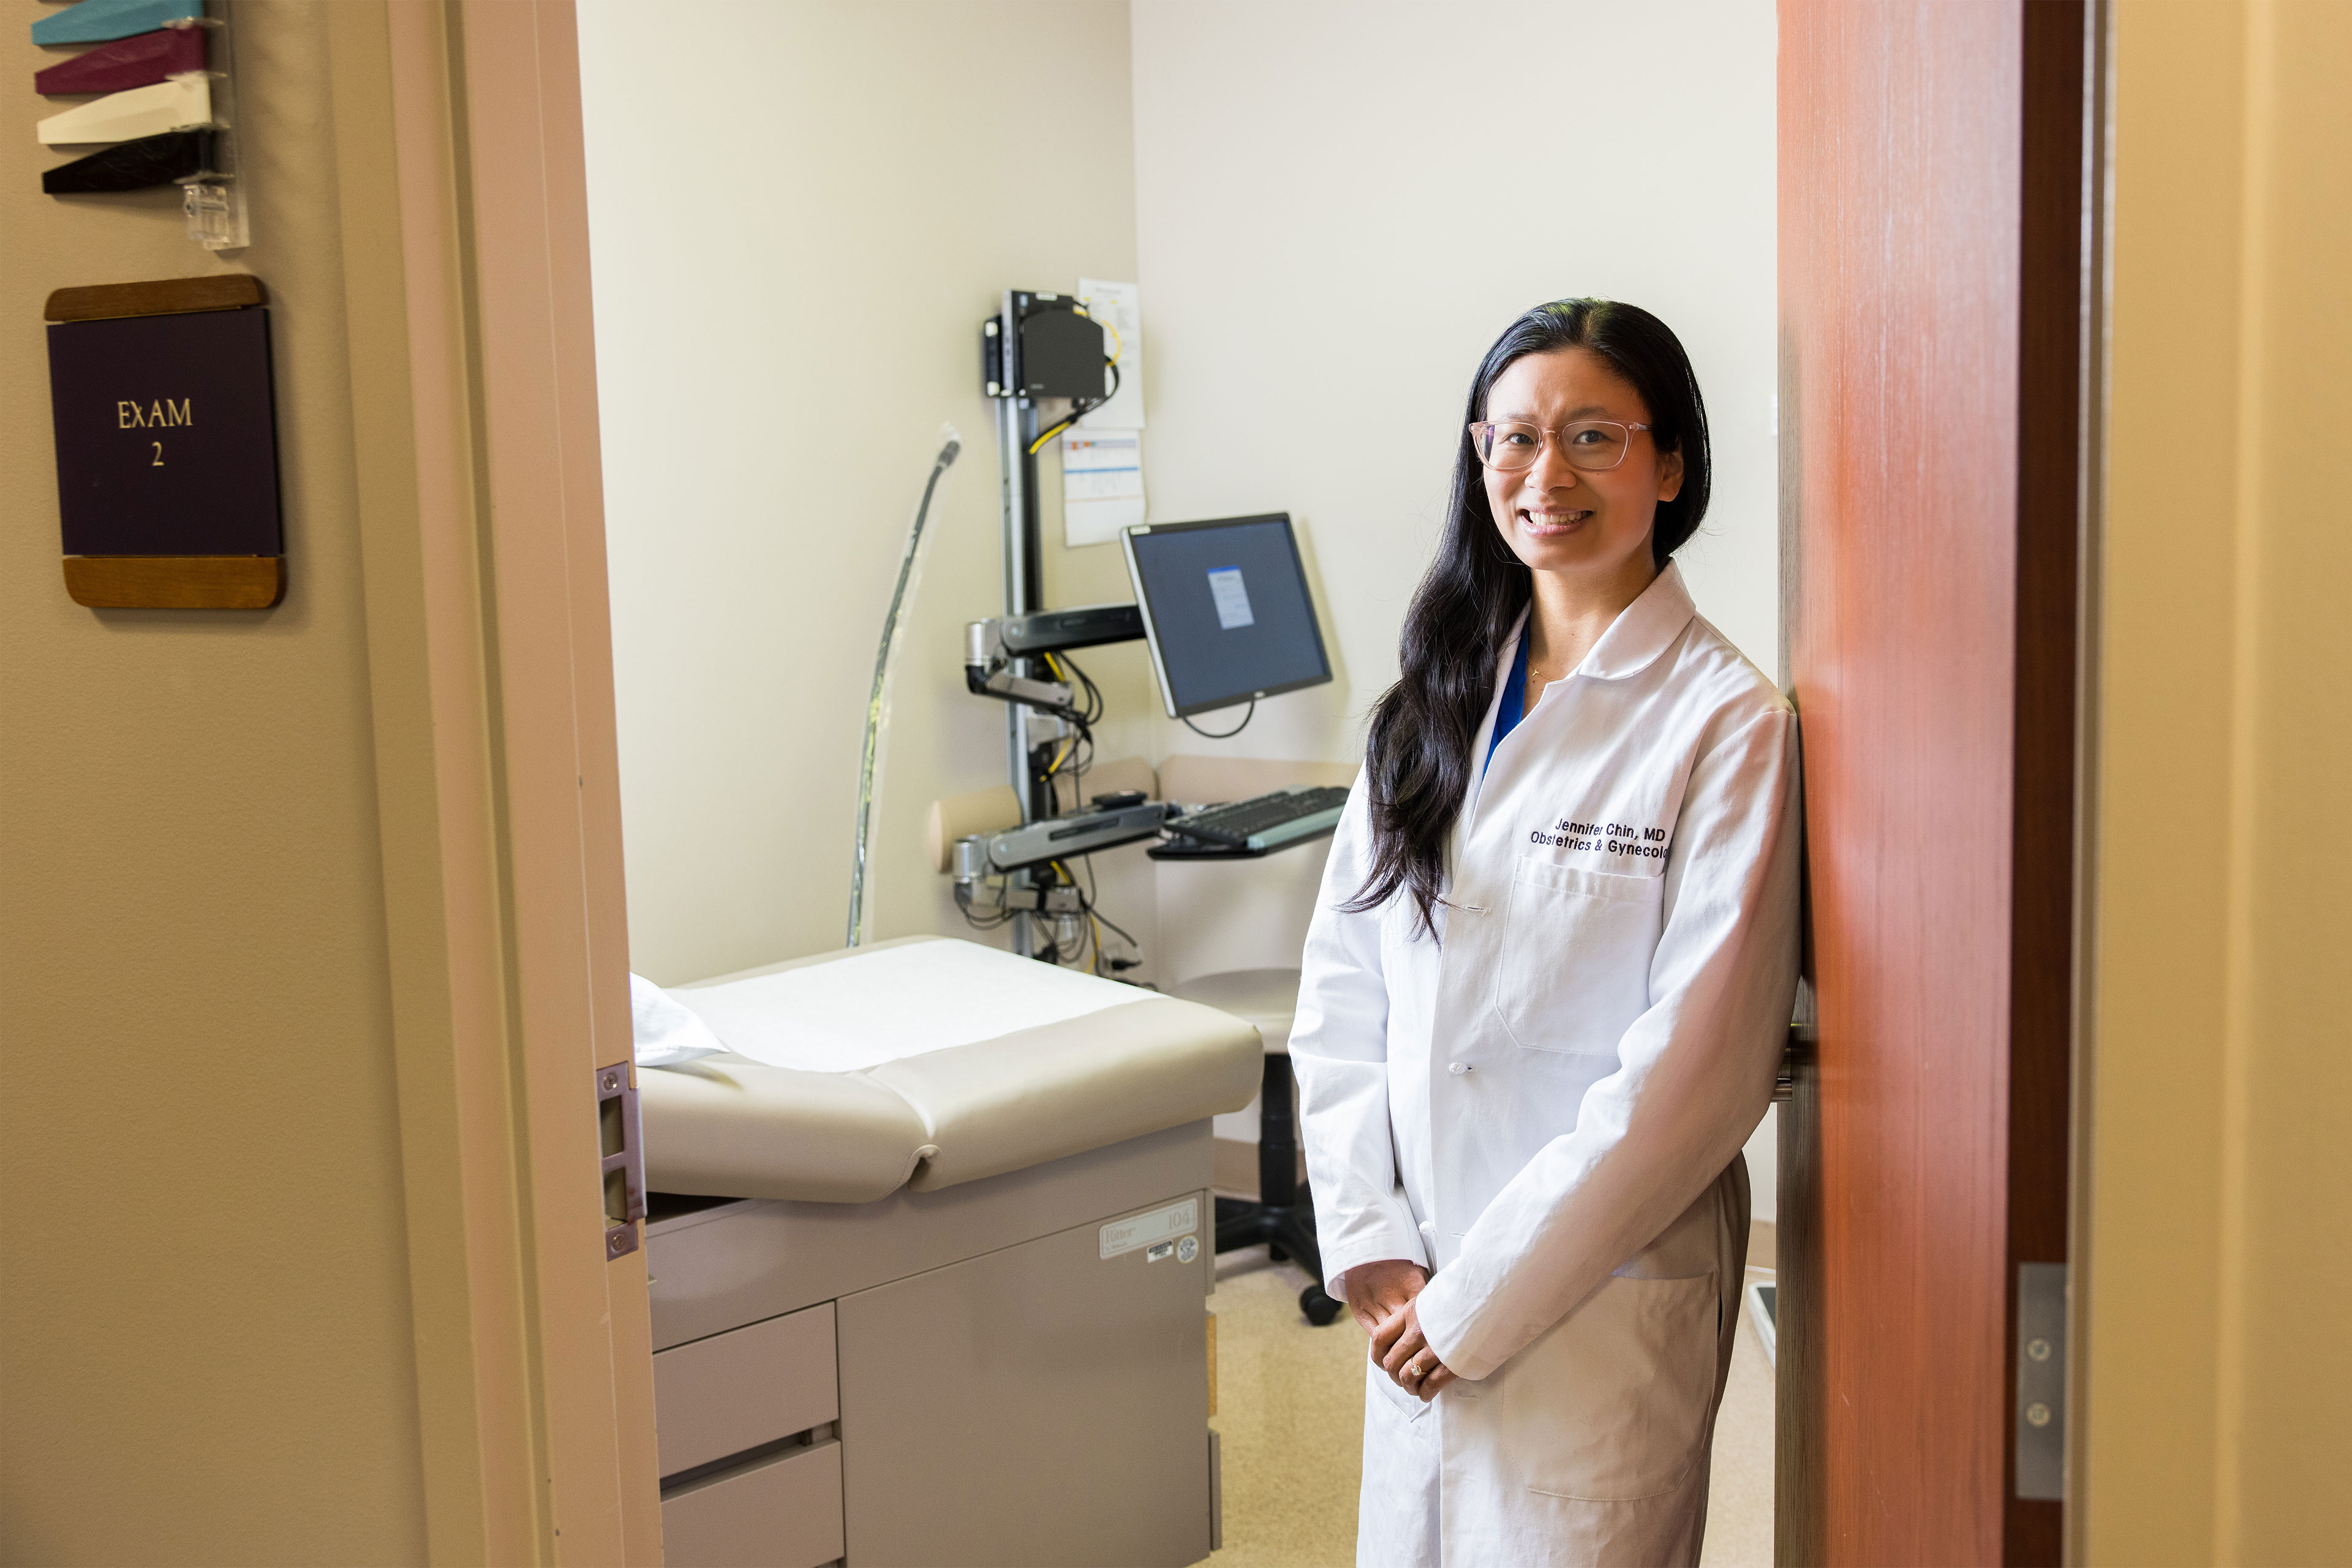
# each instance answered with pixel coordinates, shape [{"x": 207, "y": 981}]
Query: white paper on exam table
[
  {"x": 665, "y": 1032},
  {"x": 825, "y": 1018}
]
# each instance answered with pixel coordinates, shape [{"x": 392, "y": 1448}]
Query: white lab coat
[{"x": 1546, "y": 1106}]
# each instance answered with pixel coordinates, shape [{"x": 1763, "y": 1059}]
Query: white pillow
[{"x": 667, "y": 1033}]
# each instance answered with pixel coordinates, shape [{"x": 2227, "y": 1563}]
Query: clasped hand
[{"x": 1381, "y": 1296}]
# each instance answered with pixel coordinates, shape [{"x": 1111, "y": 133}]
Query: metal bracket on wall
[
  {"x": 2041, "y": 1381},
  {"x": 622, "y": 1144}
]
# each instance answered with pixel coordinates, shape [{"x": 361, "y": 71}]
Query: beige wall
[
  {"x": 205, "y": 1317},
  {"x": 2216, "y": 1423},
  {"x": 313, "y": 916},
  {"x": 801, "y": 214}
]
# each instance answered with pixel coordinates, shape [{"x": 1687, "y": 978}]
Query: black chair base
[
  {"x": 1284, "y": 1233},
  {"x": 1283, "y": 1219}
]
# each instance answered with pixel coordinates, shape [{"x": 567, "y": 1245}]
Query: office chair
[{"x": 1283, "y": 1217}]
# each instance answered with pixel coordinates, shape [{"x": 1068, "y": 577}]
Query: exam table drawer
[
  {"x": 736, "y": 1391},
  {"x": 783, "y": 1514}
]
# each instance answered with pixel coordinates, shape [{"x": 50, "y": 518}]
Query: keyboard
[{"x": 1267, "y": 821}]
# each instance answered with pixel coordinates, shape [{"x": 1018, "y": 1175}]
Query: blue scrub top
[{"x": 1515, "y": 700}]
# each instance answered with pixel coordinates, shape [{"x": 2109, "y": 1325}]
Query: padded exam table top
[{"x": 924, "y": 1063}]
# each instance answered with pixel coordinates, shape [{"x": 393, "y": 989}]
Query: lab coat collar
[{"x": 1642, "y": 630}]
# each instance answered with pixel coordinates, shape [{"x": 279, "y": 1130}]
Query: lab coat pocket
[
  {"x": 1408, "y": 1408},
  {"x": 1576, "y": 949},
  {"x": 1609, "y": 1403}
]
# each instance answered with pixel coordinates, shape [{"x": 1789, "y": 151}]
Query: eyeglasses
[{"x": 1595, "y": 446}]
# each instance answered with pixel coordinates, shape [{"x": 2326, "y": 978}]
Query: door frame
[
  {"x": 463, "y": 209},
  {"x": 2098, "y": 284}
]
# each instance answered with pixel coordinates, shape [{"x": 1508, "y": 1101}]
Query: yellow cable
[
  {"x": 1118, "y": 343},
  {"x": 1072, "y": 743},
  {"x": 1118, "y": 348}
]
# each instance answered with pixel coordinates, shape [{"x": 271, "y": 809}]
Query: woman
[{"x": 1546, "y": 983}]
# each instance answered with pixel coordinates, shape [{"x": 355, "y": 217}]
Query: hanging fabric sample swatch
[
  {"x": 103, "y": 21},
  {"x": 139, "y": 61}
]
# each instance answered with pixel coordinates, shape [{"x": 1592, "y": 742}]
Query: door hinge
[
  {"x": 621, "y": 1142},
  {"x": 2041, "y": 1381}
]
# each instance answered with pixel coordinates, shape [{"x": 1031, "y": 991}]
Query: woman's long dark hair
[{"x": 1418, "y": 754}]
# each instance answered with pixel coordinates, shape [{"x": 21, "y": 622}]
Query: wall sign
[{"x": 167, "y": 444}]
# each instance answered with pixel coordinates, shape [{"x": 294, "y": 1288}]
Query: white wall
[
  {"x": 1340, "y": 203},
  {"x": 800, "y": 215}
]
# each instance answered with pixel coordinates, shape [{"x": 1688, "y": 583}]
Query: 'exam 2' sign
[
  {"x": 166, "y": 433},
  {"x": 162, "y": 412}
]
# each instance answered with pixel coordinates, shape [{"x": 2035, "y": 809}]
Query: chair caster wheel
[{"x": 1321, "y": 1310}]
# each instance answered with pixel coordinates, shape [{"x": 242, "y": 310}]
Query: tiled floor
[{"x": 1290, "y": 1409}]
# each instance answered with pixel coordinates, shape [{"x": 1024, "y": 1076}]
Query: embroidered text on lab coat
[{"x": 1607, "y": 837}]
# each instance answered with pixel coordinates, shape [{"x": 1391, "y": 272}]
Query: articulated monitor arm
[
  {"x": 991, "y": 647},
  {"x": 988, "y": 672}
]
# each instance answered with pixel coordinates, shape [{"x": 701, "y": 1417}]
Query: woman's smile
[{"x": 1553, "y": 523}]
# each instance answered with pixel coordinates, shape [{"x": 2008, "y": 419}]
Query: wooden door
[{"x": 1933, "y": 255}]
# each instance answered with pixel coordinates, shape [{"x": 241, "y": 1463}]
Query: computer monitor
[{"x": 1227, "y": 610}]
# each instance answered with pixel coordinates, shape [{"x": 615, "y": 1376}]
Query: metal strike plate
[
  {"x": 620, "y": 1145},
  {"x": 1784, "y": 1080},
  {"x": 2041, "y": 1381},
  {"x": 1804, "y": 1039}
]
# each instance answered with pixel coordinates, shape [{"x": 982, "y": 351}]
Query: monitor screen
[{"x": 1226, "y": 609}]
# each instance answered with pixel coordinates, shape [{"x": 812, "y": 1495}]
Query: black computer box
[{"x": 1056, "y": 351}]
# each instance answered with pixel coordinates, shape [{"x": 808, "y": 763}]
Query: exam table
[{"x": 928, "y": 1245}]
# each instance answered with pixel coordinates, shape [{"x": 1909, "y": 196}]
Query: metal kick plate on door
[{"x": 2041, "y": 1381}]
